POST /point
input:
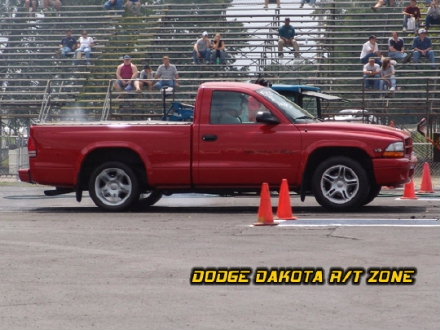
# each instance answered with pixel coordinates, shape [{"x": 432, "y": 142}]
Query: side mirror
[{"x": 267, "y": 118}]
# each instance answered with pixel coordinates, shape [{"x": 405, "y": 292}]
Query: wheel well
[
  {"x": 321, "y": 154},
  {"x": 103, "y": 155}
]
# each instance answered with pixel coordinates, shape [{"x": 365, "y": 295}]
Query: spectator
[
  {"x": 396, "y": 48},
  {"x": 52, "y": 3},
  {"x": 125, "y": 75},
  {"x": 287, "y": 34},
  {"x": 134, "y": 6},
  {"x": 381, "y": 3},
  {"x": 310, "y": 2},
  {"x": 387, "y": 75},
  {"x": 31, "y": 6},
  {"x": 423, "y": 47},
  {"x": 201, "y": 50},
  {"x": 68, "y": 44},
  {"x": 371, "y": 74},
  {"x": 84, "y": 45},
  {"x": 266, "y": 3},
  {"x": 218, "y": 54},
  {"x": 146, "y": 78},
  {"x": 411, "y": 11},
  {"x": 167, "y": 73},
  {"x": 114, "y": 5},
  {"x": 370, "y": 49},
  {"x": 433, "y": 14}
]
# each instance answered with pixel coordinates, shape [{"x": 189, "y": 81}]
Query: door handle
[{"x": 209, "y": 138}]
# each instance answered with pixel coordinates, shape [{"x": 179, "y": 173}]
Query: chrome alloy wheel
[
  {"x": 339, "y": 184},
  {"x": 113, "y": 186}
]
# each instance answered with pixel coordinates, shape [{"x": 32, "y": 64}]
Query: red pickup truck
[{"x": 242, "y": 135}]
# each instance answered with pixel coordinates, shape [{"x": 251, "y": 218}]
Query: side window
[
  {"x": 310, "y": 104},
  {"x": 234, "y": 108}
]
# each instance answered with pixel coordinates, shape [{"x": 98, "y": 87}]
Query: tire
[
  {"x": 374, "y": 191},
  {"x": 340, "y": 184},
  {"x": 150, "y": 198},
  {"x": 113, "y": 186}
]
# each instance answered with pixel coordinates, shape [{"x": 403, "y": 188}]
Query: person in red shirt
[
  {"x": 125, "y": 75},
  {"x": 52, "y": 3},
  {"x": 411, "y": 11},
  {"x": 31, "y": 6}
]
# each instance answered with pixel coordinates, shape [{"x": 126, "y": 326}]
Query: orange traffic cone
[
  {"x": 426, "y": 186},
  {"x": 409, "y": 191},
  {"x": 265, "y": 215},
  {"x": 284, "y": 207}
]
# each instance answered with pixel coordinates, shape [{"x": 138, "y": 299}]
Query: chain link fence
[
  {"x": 13, "y": 155},
  {"x": 425, "y": 154}
]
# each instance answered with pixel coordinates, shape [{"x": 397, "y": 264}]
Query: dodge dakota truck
[{"x": 242, "y": 135}]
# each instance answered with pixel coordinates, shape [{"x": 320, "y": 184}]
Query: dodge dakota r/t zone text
[{"x": 242, "y": 135}]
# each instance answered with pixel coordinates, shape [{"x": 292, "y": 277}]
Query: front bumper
[{"x": 393, "y": 171}]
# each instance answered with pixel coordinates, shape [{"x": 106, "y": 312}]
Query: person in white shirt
[
  {"x": 370, "y": 49},
  {"x": 371, "y": 74},
  {"x": 85, "y": 44}
]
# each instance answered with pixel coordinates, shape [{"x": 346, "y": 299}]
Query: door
[{"x": 233, "y": 150}]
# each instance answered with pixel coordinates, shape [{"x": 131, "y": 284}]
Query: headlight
[{"x": 395, "y": 150}]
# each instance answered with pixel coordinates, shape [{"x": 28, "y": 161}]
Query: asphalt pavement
[{"x": 66, "y": 265}]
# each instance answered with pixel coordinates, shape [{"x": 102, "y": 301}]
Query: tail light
[{"x": 32, "y": 148}]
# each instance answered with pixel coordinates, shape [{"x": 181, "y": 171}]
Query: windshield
[{"x": 293, "y": 111}]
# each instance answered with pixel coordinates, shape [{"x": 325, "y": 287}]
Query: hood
[{"x": 353, "y": 128}]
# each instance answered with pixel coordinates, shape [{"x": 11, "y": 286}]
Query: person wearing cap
[
  {"x": 167, "y": 74},
  {"x": 411, "y": 11},
  {"x": 287, "y": 38},
  {"x": 371, "y": 74},
  {"x": 146, "y": 78},
  {"x": 201, "y": 50},
  {"x": 84, "y": 45},
  {"x": 125, "y": 75},
  {"x": 422, "y": 46},
  {"x": 370, "y": 49}
]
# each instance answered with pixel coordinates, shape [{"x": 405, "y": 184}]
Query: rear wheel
[
  {"x": 113, "y": 186},
  {"x": 340, "y": 183}
]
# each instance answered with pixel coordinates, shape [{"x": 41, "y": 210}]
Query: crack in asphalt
[{"x": 331, "y": 234}]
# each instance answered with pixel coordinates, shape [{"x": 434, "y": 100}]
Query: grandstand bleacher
[{"x": 36, "y": 78}]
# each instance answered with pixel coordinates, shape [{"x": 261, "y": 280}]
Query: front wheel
[
  {"x": 374, "y": 191},
  {"x": 113, "y": 186},
  {"x": 150, "y": 198},
  {"x": 340, "y": 183}
]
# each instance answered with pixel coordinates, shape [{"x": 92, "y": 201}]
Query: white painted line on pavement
[
  {"x": 361, "y": 223},
  {"x": 417, "y": 199}
]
